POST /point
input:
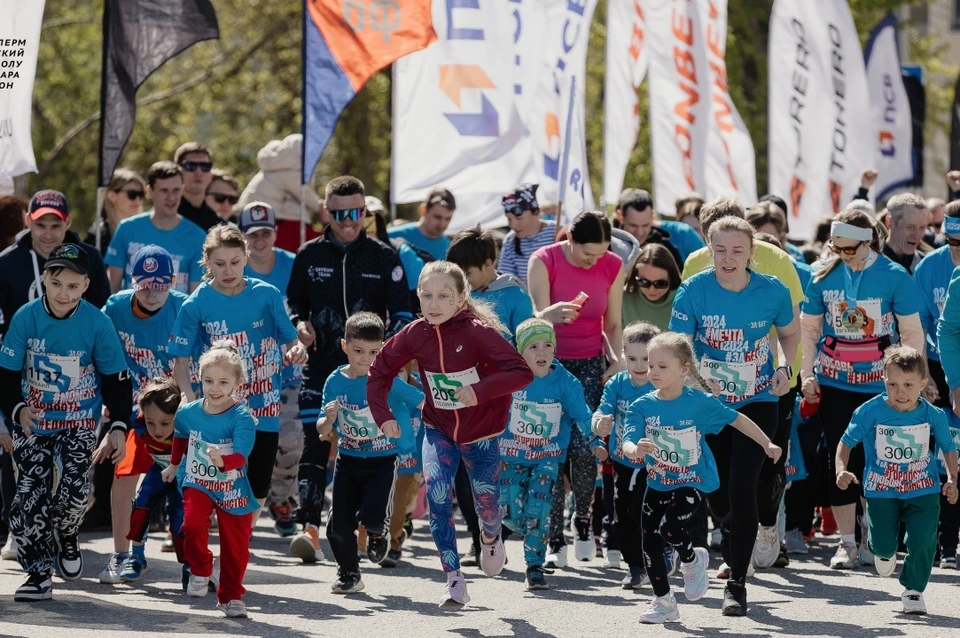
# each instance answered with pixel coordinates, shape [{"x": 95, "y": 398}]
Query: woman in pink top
[{"x": 577, "y": 284}]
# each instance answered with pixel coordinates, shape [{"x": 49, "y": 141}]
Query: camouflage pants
[{"x": 283, "y": 485}]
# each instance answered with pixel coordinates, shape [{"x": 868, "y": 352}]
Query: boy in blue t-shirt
[
  {"x": 60, "y": 362},
  {"x": 901, "y": 482},
  {"x": 366, "y": 465},
  {"x": 535, "y": 442}
]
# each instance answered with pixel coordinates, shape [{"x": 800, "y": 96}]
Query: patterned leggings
[
  {"x": 283, "y": 484},
  {"x": 441, "y": 457},
  {"x": 38, "y": 513},
  {"x": 525, "y": 499},
  {"x": 665, "y": 520}
]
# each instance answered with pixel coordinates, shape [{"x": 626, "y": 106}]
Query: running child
[
  {"x": 470, "y": 371},
  {"x": 668, "y": 427},
  {"x": 366, "y": 464},
  {"x": 213, "y": 438},
  {"x": 535, "y": 443},
  {"x": 60, "y": 362},
  {"x": 900, "y": 479}
]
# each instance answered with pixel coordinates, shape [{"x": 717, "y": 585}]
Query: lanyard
[{"x": 852, "y": 279}]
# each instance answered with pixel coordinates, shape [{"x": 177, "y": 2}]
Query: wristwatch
[{"x": 786, "y": 367}]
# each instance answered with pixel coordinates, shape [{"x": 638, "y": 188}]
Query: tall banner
[
  {"x": 19, "y": 46},
  {"x": 627, "y": 60},
  {"x": 955, "y": 128},
  {"x": 573, "y": 160},
  {"x": 800, "y": 100},
  {"x": 891, "y": 108},
  {"x": 461, "y": 107}
]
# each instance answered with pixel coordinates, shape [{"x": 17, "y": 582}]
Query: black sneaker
[
  {"x": 782, "y": 560},
  {"x": 393, "y": 557},
  {"x": 471, "y": 558},
  {"x": 377, "y": 547},
  {"x": 734, "y": 599},
  {"x": 37, "y": 587},
  {"x": 347, "y": 583},
  {"x": 408, "y": 525},
  {"x": 536, "y": 579},
  {"x": 69, "y": 558}
]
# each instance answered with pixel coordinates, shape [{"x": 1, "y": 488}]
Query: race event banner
[{"x": 20, "y": 22}]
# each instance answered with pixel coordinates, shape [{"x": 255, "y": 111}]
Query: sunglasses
[
  {"x": 953, "y": 241},
  {"x": 659, "y": 284},
  {"x": 846, "y": 250},
  {"x": 223, "y": 197},
  {"x": 353, "y": 214},
  {"x": 134, "y": 195},
  {"x": 192, "y": 166}
]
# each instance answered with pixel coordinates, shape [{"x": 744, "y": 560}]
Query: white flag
[
  {"x": 19, "y": 45},
  {"x": 627, "y": 58},
  {"x": 800, "y": 112},
  {"x": 730, "y": 165},
  {"x": 458, "y": 116},
  {"x": 891, "y": 108},
  {"x": 573, "y": 161}
]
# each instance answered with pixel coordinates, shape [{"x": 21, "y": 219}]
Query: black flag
[
  {"x": 955, "y": 129},
  {"x": 138, "y": 37}
]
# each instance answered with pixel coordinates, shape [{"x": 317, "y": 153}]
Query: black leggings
[
  {"x": 803, "y": 496},
  {"x": 629, "y": 486},
  {"x": 665, "y": 520},
  {"x": 773, "y": 476},
  {"x": 734, "y": 504},
  {"x": 836, "y": 408},
  {"x": 260, "y": 463}
]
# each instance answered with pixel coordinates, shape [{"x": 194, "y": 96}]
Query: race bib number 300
[
  {"x": 537, "y": 420},
  {"x": 358, "y": 424},
  {"x": 903, "y": 443},
  {"x": 675, "y": 448},
  {"x": 444, "y": 386},
  {"x": 735, "y": 379},
  {"x": 199, "y": 465},
  {"x": 52, "y": 372}
]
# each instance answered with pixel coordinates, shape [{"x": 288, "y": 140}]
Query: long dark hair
[{"x": 656, "y": 255}]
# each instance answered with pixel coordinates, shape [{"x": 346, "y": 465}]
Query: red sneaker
[{"x": 828, "y": 524}]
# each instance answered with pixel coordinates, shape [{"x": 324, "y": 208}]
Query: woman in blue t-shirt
[{"x": 857, "y": 305}]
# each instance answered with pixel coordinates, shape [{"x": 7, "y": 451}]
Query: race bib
[
  {"x": 199, "y": 465},
  {"x": 537, "y": 420},
  {"x": 735, "y": 379},
  {"x": 52, "y": 372},
  {"x": 358, "y": 424},
  {"x": 862, "y": 319},
  {"x": 903, "y": 443},
  {"x": 675, "y": 448},
  {"x": 955, "y": 433},
  {"x": 443, "y": 386}
]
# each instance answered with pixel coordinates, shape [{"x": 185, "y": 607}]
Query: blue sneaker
[{"x": 133, "y": 569}]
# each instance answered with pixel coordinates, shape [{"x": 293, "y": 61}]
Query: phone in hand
[{"x": 581, "y": 299}]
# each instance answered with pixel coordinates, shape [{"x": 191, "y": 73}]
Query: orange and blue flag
[{"x": 344, "y": 43}]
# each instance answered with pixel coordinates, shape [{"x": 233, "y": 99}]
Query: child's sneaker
[
  {"x": 662, "y": 609},
  {"x": 828, "y": 524},
  {"x": 557, "y": 557},
  {"x": 197, "y": 586},
  {"x": 599, "y": 544},
  {"x": 635, "y": 579},
  {"x": 846, "y": 556},
  {"x": 111, "y": 573},
  {"x": 864, "y": 555},
  {"x": 913, "y": 603},
  {"x": 695, "y": 581},
  {"x": 133, "y": 569},
  {"x": 885, "y": 566},
  {"x": 536, "y": 579},
  {"x": 347, "y": 583},
  {"x": 795, "y": 542},
  {"x": 69, "y": 558},
  {"x": 612, "y": 560},
  {"x": 233, "y": 609},
  {"x": 724, "y": 572},
  {"x": 9, "y": 551},
  {"x": 734, "y": 599},
  {"x": 184, "y": 576},
  {"x": 38, "y": 587},
  {"x": 948, "y": 562},
  {"x": 583, "y": 546},
  {"x": 214, "y": 580},
  {"x": 306, "y": 545},
  {"x": 168, "y": 546},
  {"x": 492, "y": 556},
  {"x": 670, "y": 559},
  {"x": 455, "y": 596},
  {"x": 282, "y": 514},
  {"x": 377, "y": 548}
]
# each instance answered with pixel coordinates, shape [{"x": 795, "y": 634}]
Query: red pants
[{"x": 234, "y": 543}]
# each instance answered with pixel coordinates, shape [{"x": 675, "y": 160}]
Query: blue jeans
[
  {"x": 152, "y": 492},
  {"x": 525, "y": 498}
]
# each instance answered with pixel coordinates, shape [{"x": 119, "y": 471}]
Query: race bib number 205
[{"x": 444, "y": 386}]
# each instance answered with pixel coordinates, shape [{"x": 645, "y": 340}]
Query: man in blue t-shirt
[
  {"x": 163, "y": 226},
  {"x": 428, "y": 233}
]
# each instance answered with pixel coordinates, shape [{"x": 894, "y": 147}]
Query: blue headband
[{"x": 951, "y": 225}]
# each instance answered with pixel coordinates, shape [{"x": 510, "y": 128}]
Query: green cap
[{"x": 535, "y": 332}]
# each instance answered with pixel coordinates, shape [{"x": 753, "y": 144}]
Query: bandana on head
[
  {"x": 521, "y": 199},
  {"x": 535, "y": 332}
]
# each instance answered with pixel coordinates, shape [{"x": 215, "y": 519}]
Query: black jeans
[
  {"x": 312, "y": 471},
  {"x": 664, "y": 520},
  {"x": 629, "y": 485}
]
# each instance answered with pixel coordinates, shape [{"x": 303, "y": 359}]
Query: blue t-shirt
[
  {"x": 677, "y": 427},
  {"x": 618, "y": 393},
  {"x": 859, "y": 322},
  {"x": 411, "y": 233},
  {"x": 358, "y": 432},
  {"x": 257, "y": 322},
  {"x": 234, "y": 432},
  {"x": 541, "y": 418},
  {"x": 683, "y": 237},
  {"x": 731, "y": 331},
  {"x": 794, "y": 466},
  {"x": 511, "y": 303},
  {"x": 954, "y": 422},
  {"x": 184, "y": 242},
  {"x": 896, "y": 445},
  {"x": 932, "y": 276},
  {"x": 412, "y": 265},
  {"x": 794, "y": 251},
  {"x": 279, "y": 277},
  {"x": 804, "y": 273},
  {"x": 62, "y": 362}
]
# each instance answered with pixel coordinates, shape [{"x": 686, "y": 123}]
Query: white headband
[{"x": 849, "y": 231}]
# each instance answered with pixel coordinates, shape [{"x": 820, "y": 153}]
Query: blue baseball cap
[{"x": 152, "y": 268}]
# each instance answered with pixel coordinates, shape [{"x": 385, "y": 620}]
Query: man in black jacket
[
  {"x": 334, "y": 276},
  {"x": 21, "y": 265}
]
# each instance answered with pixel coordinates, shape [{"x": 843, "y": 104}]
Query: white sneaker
[
  {"x": 724, "y": 572},
  {"x": 795, "y": 543},
  {"x": 197, "y": 586},
  {"x": 846, "y": 557},
  {"x": 9, "y": 551},
  {"x": 885, "y": 566},
  {"x": 671, "y": 560},
  {"x": 233, "y": 609},
  {"x": 111, "y": 573},
  {"x": 612, "y": 559},
  {"x": 662, "y": 609},
  {"x": 455, "y": 595},
  {"x": 584, "y": 550},
  {"x": 557, "y": 559},
  {"x": 913, "y": 603},
  {"x": 695, "y": 580},
  {"x": 492, "y": 556},
  {"x": 767, "y": 548}
]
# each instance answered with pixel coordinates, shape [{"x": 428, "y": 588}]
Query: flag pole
[
  {"x": 303, "y": 121},
  {"x": 565, "y": 158},
  {"x": 100, "y": 195},
  {"x": 393, "y": 141}
]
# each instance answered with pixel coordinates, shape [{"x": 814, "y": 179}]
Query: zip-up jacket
[
  {"x": 20, "y": 276},
  {"x": 447, "y": 355},
  {"x": 330, "y": 282}
]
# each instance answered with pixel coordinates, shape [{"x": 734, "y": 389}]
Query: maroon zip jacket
[{"x": 460, "y": 351}]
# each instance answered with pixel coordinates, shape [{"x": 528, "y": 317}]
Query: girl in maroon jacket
[{"x": 469, "y": 372}]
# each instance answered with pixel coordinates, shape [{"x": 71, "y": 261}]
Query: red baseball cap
[{"x": 49, "y": 202}]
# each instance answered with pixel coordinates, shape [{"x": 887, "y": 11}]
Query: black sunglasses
[
  {"x": 953, "y": 241},
  {"x": 846, "y": 250},
  {"x": 659, "y": 284},
  {"x": 223, "y": 197},
  {"x": 192, "y": 166},
  {"x": 134, "y": 195}
]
